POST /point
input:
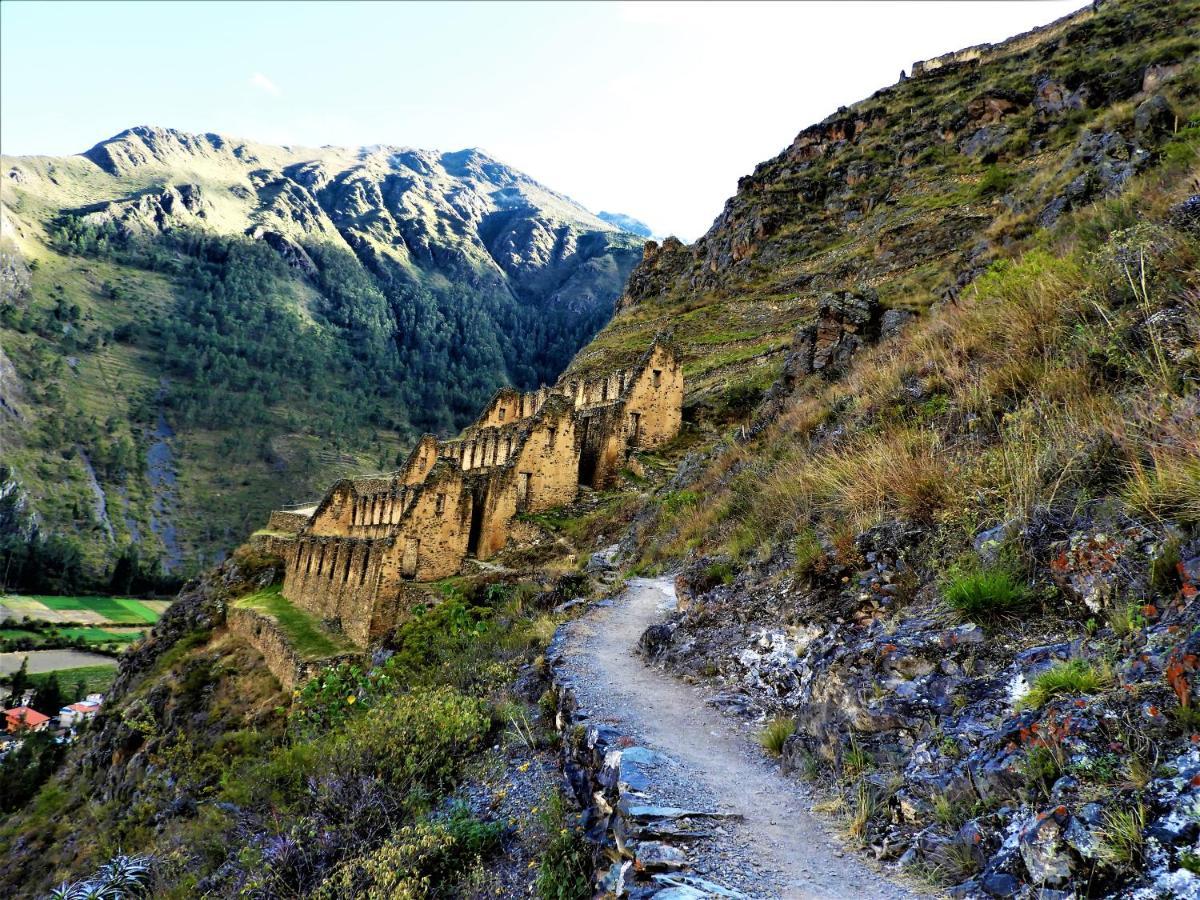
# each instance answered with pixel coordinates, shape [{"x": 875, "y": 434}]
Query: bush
[
  {"x": 419, "y": 861},
  {"x": 776, "y": 734},
  {"x": 809, "y": 552},
  {"x": 985, "y": 593},
  {"x": 565, "y": 869},
  {"x": 414, "y": 740},
  {"x": 1076, "y": 676},
  {"x": 995, "y": 181}
]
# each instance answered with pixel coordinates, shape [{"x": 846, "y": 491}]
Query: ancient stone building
[{"x": 347, "y": 558}]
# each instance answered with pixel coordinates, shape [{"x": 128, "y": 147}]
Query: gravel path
[{"x": 777, "y": 848}]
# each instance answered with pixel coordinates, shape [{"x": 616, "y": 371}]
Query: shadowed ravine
[{"x": 772, "y": 845}]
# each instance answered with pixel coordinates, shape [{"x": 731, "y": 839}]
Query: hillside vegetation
[
  {"x": 933, "y": 521},
  {"x": 194, "y": 329}
]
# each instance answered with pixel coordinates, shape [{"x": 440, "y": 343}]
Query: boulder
[
  {"x": 1043, "y": 850},
  {"x": 1154, "y": 117},
  {"x": 846, "y": 321}
]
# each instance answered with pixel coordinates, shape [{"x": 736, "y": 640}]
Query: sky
[{"x": 650, "y": 109}]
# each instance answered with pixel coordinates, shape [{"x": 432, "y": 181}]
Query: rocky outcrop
[
  {"x": 846, "y": 322},
  {"x": 173, "y": 207},
  {"x": 935, "y": 716}
]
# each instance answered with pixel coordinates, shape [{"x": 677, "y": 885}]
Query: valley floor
[{"x": 767, "y": 843}]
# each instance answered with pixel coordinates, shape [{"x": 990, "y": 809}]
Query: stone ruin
[{"x": 348, "y": 558}]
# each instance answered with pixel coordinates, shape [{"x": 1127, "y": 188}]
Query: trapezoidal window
[
  {"x": 500, "y": 413},
  {"x": 522, "y": 489},
  {"x": 635, "y": 428},
  {"x": 656, "y": 377},
  {"x": 439, "y": 505}
]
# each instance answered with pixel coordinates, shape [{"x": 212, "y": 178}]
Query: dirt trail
[{"x": 778, "y": 848}]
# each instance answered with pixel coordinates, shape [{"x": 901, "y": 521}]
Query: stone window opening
[
  {"x": 500, "y": 413},
  {"x": 308, "y": 565},
  {"x": 523, "y": 488},
  {"x": 604, "y": 391},
  {"x": 635, "y": 427},
  {"x": 346, "y": 572},
  {"x": 656, "y": 377},
  {"x": 362, "y": 575},
  {"x": 421, "y": 461},
  {"x": 440, "y": 504},
  {"x": 551, "y": 433}
]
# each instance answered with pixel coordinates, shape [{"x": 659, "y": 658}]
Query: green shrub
[
  {"x": 995, "y": 181},
  {"x": 719, "y": 572},
  {"x": 565, "y": 868},
  {"x": 418, "y": 861},
  {"x": 415, "y": 740},
  {"x": 1164, "y": 568},
  {"x": 776, "y": 734},
  {"x": 985, "y": 593},
  {"x": 1122, "y": 840},
  {"x": 1191, "y": 861},
  {"x": 855, "y": 761},
  {"x": 1075, "y": 676},
  {"x": 809, "y": 552}
]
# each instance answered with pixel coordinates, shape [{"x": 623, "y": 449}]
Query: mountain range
[{"x": 195, "y": 327}]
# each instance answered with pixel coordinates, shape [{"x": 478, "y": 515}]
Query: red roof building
[{"x": 22, "y": 717}]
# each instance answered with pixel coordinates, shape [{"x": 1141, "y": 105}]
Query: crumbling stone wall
[
  {"x": 265, "y": 635},
  {"x": 528, "y": 452},
  {"x": 286, "y": 521}
]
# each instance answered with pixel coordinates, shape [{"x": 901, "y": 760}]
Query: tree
[
  {"x": 49, "y": 698},
  {"x": 24, "y": 770},
  {"x": 124, "y": 571},
  {"x": 20, "y": 680}
]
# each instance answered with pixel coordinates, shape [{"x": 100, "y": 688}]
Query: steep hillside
[
  {"x": 933, "y": 525},
  {"x": 195, "y": 328},
  {"x": 912, "y": 192},
  {"x": 950, "y": 564}
]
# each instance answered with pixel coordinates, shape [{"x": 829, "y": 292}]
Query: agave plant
[{"x": 121, "y": 878}]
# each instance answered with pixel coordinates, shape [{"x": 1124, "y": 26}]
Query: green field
[
  {"x": 115, "y": 610},
  {"x": 96, "y": 679},
  {"x": 122, "y": 610},
  {"x": 91, "y": 635},
  {"x": 303, "y": 630},
  {"x": 12, "y": 634},
  {"x": 102, "y": 636}
]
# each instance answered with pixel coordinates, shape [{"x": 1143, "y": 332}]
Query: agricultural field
[
  {"x": 95, "y": 679},
  {"x": 82, "y": 610},
  {"x": 89, "y": 634},
  {"x": 65, "y": 662}
]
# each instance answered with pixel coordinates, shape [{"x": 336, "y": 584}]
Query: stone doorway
[
  {"x": 478, "y": 498},
  {"x": 589, "y": 455}
]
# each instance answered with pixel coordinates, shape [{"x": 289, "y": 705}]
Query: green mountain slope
[
  {"x": 913, "y": 191},
  {"x": 196, "y": 328}
]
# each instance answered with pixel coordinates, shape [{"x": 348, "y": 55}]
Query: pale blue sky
[{"x": 652, "y": 109}]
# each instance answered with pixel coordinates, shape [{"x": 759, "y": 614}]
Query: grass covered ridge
[{"x": 1043, "y": 382}]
